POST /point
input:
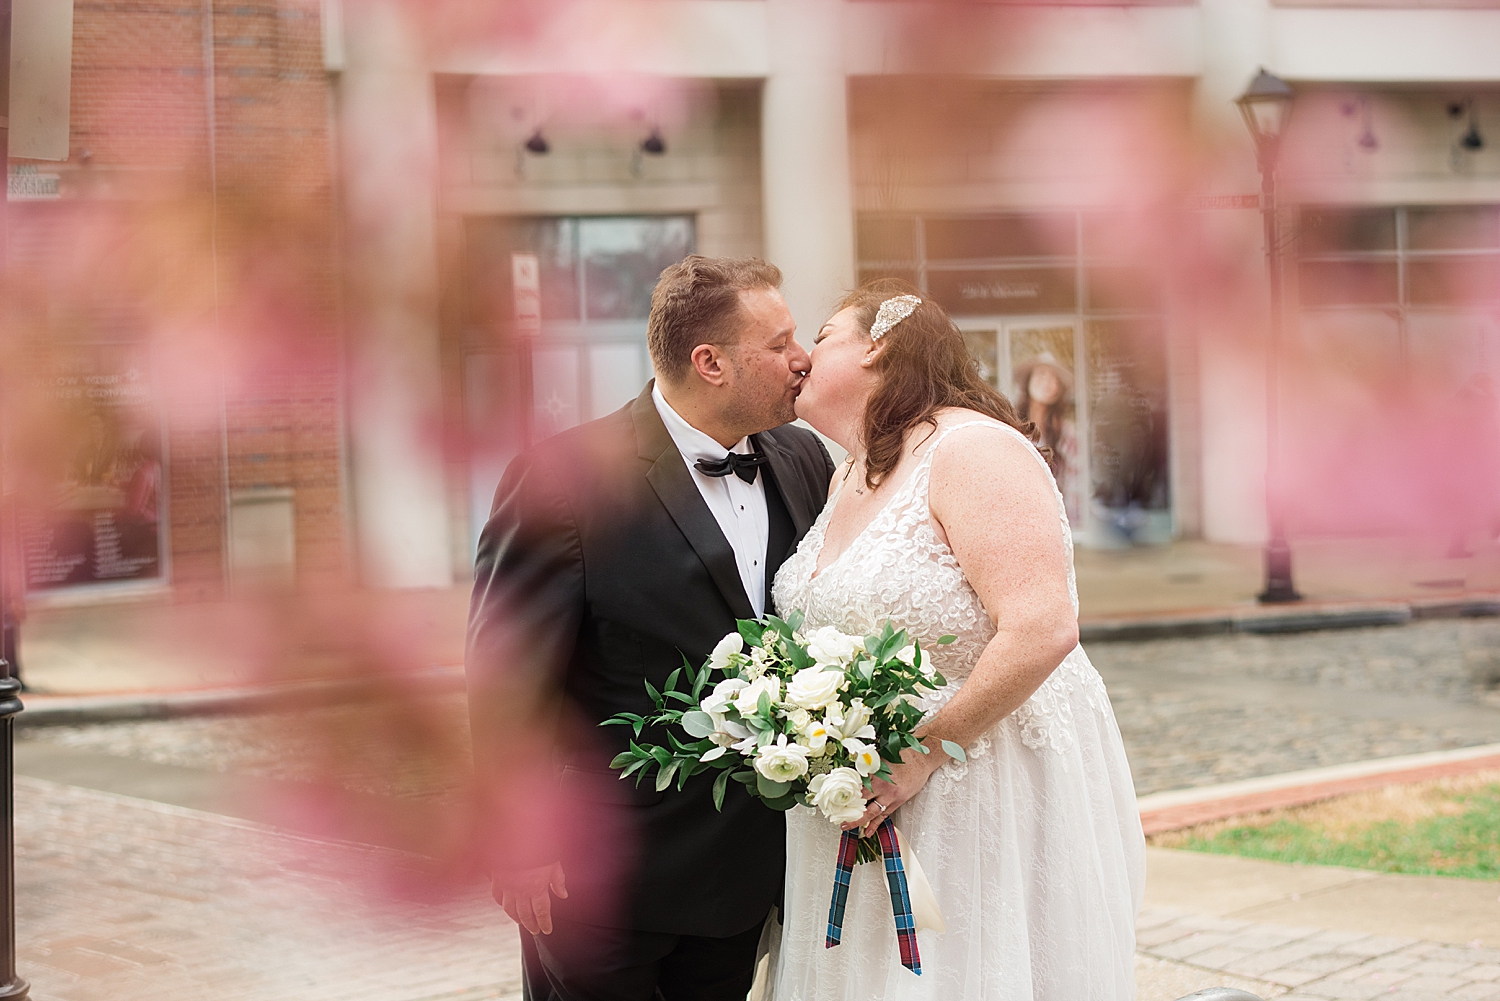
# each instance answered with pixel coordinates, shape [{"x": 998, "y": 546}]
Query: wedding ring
[{"x": 880, "y": 806}]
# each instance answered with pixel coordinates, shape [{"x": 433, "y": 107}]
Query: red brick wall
[{"x": 227, "y": 263}]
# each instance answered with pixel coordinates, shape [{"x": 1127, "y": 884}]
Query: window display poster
[{"x": 101, "y": 520}]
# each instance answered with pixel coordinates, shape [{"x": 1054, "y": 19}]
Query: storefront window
[
  {"x": 590, "y": 358},
  {"x": 1127, "y": 406},
  {"x": 1062, "y": 317},
  {"x": 103, "y": 522},
  {"x": 1396, "y": 303},
  {"x": 622, "y": 259}
]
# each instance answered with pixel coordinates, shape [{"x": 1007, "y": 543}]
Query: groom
[{"x": 613, "y": 551}]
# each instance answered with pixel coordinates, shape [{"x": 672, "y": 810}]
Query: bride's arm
[{"x": 995, "y": 504}]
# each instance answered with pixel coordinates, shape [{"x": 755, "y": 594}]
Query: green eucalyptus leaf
[
  {"x": 795, "y": 619},
  {"x": 763, "y": 705},
  {"x": 697, "y": 723},
  {"x": 751, "y": 631},
  {"x": 664, "y": 777},
  {"x": 770, "y": 790},
  {"x": 945, "y": 640},
  {"x": 672, "y": 680},
  {"x": 720, "y": 784},
  {"x": 954, "y": 751},
  {"x": 655, "y": 695},
  {"x": 782, "y": 803},
  {"x": 745, "y": 777},
  {"x": 682, "y": 697}
]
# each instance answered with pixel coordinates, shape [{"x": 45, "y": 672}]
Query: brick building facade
[{"x": 194, "y": 233}]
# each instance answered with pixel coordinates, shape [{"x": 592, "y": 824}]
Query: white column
[
  {"x": 388, "y": 140},
  {"x": 807, "y": 188},
  {"x": 1232, "y": 346}
]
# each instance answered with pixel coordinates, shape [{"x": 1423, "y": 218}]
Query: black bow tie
[{"x": 741, "y": 465}]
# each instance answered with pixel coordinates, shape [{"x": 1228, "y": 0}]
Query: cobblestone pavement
[
  {"x": 125, "y": 900},
  {"x": 1193, "y": 712},
  {"x": 1303, "y": 964},
  {"x": 1217, "y": 709}
]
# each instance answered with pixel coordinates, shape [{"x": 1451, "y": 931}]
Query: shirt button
[{"x": 755, "y": 563}]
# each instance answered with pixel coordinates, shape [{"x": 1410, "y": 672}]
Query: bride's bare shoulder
[{"x": 981, "y": 453}]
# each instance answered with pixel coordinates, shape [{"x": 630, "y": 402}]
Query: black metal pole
[
  {"x": 12, "y": 987},
  {"x": 1279, "y": 587}
]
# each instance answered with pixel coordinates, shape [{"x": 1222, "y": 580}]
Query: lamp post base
[
  {"x": 16, "y": 990},
  {"x": 1279, "y": 589}
]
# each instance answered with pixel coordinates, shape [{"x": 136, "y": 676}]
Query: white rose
[
  {"x": 829, "y": 646},
  {"x": 839, "y": 795},
  {"x": 798, "y": 719},
  {"x": 814, "y": 688},
  {"x": 907, "y": 655},
  {"x": 726, "y": 648},
  {"x": 782, "y": 762},
  {"x": 866, "y": 760},
  {"x": 748, "y": 700},
  {"x": 722, "y": 697}
]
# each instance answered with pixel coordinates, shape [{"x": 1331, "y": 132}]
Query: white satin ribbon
[{"x": 924, "y": 906}]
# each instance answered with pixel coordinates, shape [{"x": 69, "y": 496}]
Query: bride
[{"x": 946, "y": 520}]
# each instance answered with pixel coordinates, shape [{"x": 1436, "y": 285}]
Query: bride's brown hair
[{"x": 925, "y": 367}]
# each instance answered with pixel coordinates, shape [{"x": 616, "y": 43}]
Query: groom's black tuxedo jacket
[{"x": 600, "y": 568}]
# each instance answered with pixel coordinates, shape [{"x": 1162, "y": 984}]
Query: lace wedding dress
[{"x": 1033, "y": 847}]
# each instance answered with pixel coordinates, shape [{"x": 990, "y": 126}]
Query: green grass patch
[{"x": 1460, "y": 837}]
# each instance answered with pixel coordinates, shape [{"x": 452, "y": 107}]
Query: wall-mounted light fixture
[
  {"x": 1360, "y": 106},
  {"x": 538, "y": 143},
  {"x": 652, "y": 145},
  {"x": 1471, "y": 141}
]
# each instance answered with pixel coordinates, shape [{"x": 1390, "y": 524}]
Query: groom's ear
[{"x": 709, "y": 362}]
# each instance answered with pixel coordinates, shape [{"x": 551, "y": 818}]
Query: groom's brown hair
[{"x": 697, "y": 301}]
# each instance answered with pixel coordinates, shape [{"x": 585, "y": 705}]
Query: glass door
[{"x": 1032, "y": 362}]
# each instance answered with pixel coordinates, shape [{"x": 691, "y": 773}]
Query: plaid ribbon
[{"x": 895, "y": 877}]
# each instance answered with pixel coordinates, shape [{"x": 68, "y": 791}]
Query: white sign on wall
[{"x": 526, "y": 290}]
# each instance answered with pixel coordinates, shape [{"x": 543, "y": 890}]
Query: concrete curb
[
  {"x": 1285, "y": 618},
  {"x": 70, "y": 710},
  {"x": 1170, "y": 811}
]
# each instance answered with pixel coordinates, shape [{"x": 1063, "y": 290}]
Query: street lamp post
[
  {"x": 12, "y": 987},
  {"x": 1267, "y": 106}
]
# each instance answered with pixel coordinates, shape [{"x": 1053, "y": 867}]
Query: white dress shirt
[{"x": 738, "y": 507}]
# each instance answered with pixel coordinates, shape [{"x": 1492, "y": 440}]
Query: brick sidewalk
[
  {"x": 122, "y": 899},
  {"x": 1319, "y": 964}
]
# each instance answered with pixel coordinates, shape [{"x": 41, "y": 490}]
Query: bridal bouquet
[{"x": 797, "y": 719}]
